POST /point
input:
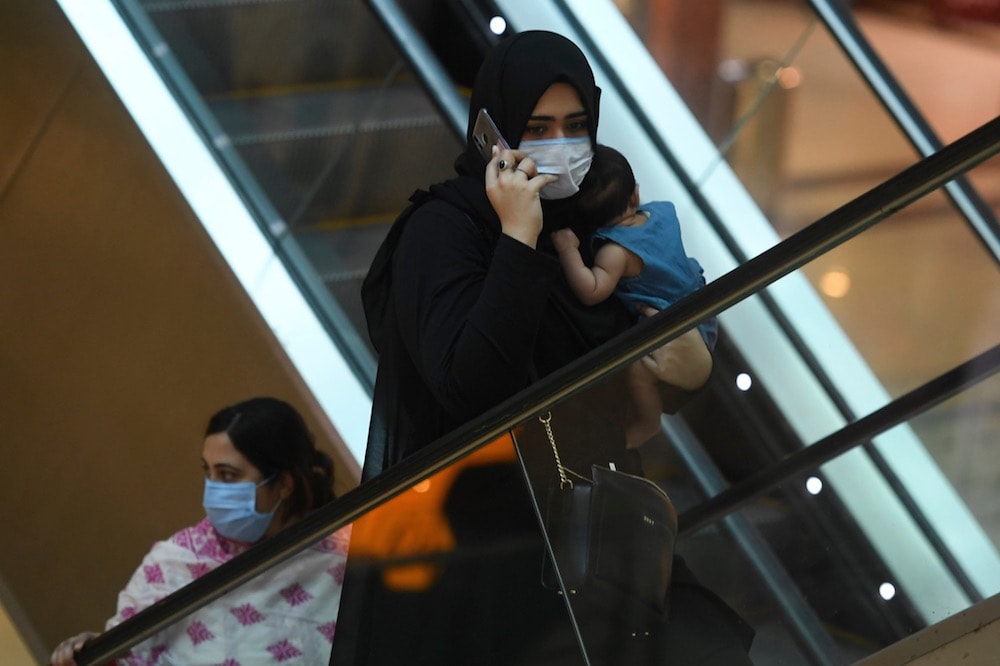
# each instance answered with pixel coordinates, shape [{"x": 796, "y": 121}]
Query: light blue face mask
[
  {"x": 232, "y": 509},
  {"x": 568, "y": 158}
]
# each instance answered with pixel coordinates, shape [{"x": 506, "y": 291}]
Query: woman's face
[
  {"x": 559, "y": 114},
  {"x": 223, "y": 462}
]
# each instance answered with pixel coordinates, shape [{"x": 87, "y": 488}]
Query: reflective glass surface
[
  {"x": 327, "y": 126},
  {"x": 805, "y": 132},
  {"x": 450, "y": 570},
  {"x": 337, "y": 142},
  {"x": 959, "y": 435},
  {"x": 828, "y": 565}
]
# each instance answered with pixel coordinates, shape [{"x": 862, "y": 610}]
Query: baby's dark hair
[{"x": 606, "y": 190}]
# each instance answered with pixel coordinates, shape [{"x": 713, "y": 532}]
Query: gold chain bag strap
[{"x": 613, "y": 527}]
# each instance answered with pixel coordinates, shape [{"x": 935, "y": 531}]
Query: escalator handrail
[
  {"x": 827, "y": 233},
  {"x": 900, "y": 410}
]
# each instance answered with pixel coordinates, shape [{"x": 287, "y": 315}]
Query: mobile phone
[{"x": 486, "y": 135}]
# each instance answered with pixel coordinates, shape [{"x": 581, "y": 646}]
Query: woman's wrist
[{"x": 523, "y": 236}]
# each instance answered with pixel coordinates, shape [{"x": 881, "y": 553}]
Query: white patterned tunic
[{"x": 285, "y": 616}]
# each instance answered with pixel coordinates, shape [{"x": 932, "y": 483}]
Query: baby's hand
[{"x": 565, "y": 239}]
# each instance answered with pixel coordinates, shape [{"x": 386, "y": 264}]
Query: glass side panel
[
  {"x": 947, "y": 87},
  {"x": 450, "y": 570},
  {"x": 827, "y": 567},
  {"x": 959, "y": 434},
  {"x": 924, "y": 282},
  {"x": 793, "y": 567},
  {"x": 455, "y": 567},
  {"x": 803, "y": 102},
  {"x": 814, "y": 563},
  {"x": 805, "y": 133},
  {"x": 798, "y": 122},
  {"x": 332, "y": 137}
]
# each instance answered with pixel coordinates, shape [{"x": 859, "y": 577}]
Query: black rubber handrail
[
  {"x": 900, "y": 410},
  {"x": 830, "y": 231}
]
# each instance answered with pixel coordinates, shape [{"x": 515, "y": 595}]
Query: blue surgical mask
[
  {"x": 568, "y": 158},
  {"x": 232, "y": 509}
]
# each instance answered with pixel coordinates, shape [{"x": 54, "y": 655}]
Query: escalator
[
  {"x": 323, "y": 117},
  {"x": 327, "y": 130}
]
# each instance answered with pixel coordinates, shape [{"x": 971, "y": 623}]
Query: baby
[{"x": 639, "y": 257}]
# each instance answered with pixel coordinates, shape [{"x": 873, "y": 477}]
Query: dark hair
[
  {"x": 606, "y": 190},
  {"x": 275, "y": 438}
]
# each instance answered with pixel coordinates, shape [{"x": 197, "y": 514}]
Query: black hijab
[
  {"x": 515, "y": 73},
  {"x": 511, "y": 79}
]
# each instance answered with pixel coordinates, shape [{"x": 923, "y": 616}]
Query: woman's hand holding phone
[
  {"x": 512, "y": 182},
  {"x": 513, "y": 192}
]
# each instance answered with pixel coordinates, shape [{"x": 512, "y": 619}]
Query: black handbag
[{"x": 612, "y": 527}]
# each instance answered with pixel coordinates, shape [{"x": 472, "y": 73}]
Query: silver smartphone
[{"x": 486, "y": 135}]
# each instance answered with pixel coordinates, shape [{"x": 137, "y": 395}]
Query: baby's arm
[{"x": 591, "y": 285}]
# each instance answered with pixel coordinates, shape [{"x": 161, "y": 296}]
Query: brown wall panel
[{"x": 121, "y": 330}]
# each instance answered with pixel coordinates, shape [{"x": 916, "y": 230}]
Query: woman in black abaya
[{"x": 467, "y": 305}]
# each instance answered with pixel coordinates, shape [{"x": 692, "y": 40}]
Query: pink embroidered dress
[{"x": 285, "y": 616}]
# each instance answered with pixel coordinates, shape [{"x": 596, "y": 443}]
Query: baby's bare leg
[{"x": 644, "y": 419}]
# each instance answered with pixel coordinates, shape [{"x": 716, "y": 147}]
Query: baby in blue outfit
[{"x": 639, "y": 257}]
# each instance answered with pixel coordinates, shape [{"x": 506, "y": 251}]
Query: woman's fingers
[
  {"x": 508, "y": 166},
  {"x": 513, "y": 185},
  {"x": 527, "y": 167},
  {"x": 511, "y": 162},
  {"x": 541, "y": 180},
  {"x": 65, "y": 652},
  {"x": 514, "y": 197}
]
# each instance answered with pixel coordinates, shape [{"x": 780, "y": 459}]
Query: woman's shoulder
[
  {"x": 460, "y": 201},
  {"x": 442, "y": 226},
  {"x": 202, "y": 541},
  {"x": 444, "y": 215}
]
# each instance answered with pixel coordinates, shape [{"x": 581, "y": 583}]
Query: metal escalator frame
[
  {"x": 458, "y": 120},
  {"x": 275, "y": 229},
  {"x": 806, "y": 626},
  {"x": 238, "y": 226},
  {"x": 425, "y": 64},
  {"x": 935, "y": 519},
  {"x": 841, "y": 24},
  {"x": 899, "y": 411},
  {"x": 737, "y": 285}
]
